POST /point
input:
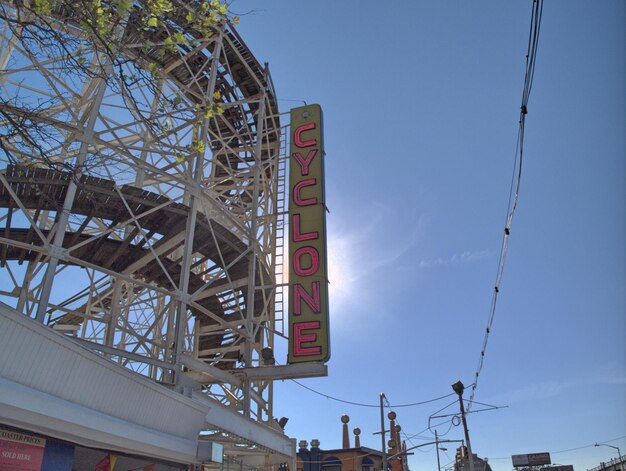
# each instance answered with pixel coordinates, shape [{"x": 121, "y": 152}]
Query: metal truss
[{"x": 135, "y": 221}]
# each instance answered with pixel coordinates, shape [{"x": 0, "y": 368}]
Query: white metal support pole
[
  {"x": 147, "y": 138},
  {"x": 116, "y": 300},
  {"x": 183, "y": 287},
  {"x": 194, "y": 193},
  {"x": 253, "y": 253},
  {"x": 63, "y": 217},
  {"x": 6, "y": 55},
  {"x": 8, "y": 51}
]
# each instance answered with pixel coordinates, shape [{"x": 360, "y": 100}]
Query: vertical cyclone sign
[{"x": 308, "y": 283}]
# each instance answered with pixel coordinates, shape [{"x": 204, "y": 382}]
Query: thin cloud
[
  {"x": 554, "y": 388},
  {"x": 535, "y": 391},
  {"x": 616, "y": 380},
  {"x": 610, "y": 374},
  {"x": 361, "y": 252},
  {"x": 465, "y": 257}
]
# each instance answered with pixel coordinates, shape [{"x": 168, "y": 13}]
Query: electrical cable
[
  {"x": 531, "y": 57},
  {"x": 360, "y": 404},
  {"x": 569, "y": 449},
  {"x": 448, "y": 430},
  {"x": 410, "y": 438},
  {"x": 402, "y": 432},
  {"x": 442, "y": 409},
  {"x": 587, "y": 446}
]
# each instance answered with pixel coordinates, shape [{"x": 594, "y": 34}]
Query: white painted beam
[
  {"x": 215, "y": 375},
  {"x": 230, "y": 421},
  {"x": 300, "y": 370},
  {"x": 204, "y": 373}
]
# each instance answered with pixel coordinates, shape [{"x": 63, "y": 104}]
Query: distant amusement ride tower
[{"x": 141, "y": 198}]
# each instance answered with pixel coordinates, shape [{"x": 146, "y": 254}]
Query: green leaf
[
  {"x": 153, "y": 69},
  {"x": 123, "y": 6},
  {"x": 42, "y": 7}
]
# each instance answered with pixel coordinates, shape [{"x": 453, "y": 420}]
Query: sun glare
[{"x": 339, "y": 275}]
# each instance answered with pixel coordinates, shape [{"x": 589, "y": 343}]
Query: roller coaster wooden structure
[{"x": 161, "y": 256}]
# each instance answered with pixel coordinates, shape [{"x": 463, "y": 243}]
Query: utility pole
[
  {"x": 437, "y": 445},
  {"x": 405, "y": 452},
  {"x": 459, "y": 388},
  {"x": 382, "y": 431}
]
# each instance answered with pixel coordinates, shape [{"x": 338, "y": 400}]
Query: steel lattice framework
[{"x": 146, "y": 228}]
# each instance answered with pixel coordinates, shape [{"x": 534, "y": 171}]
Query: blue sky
[{"x": 421, "y": 103}]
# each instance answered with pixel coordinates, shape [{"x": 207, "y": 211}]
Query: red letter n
[{"x": 312, "y": 300}]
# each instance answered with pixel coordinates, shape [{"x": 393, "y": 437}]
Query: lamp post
[
  {"x": 459, "y": 388},
  {"x": 619, "y": 453}
]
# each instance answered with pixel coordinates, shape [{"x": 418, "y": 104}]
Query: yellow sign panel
[{"x": 308, "y": 272}]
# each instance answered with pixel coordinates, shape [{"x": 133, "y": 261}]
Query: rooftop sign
[{"x": 531, "y": 459}]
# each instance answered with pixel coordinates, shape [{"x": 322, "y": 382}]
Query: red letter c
[{"x": 299, "y": 131}]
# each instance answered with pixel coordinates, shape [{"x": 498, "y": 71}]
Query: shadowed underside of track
[{"x": 133, "y": 254}]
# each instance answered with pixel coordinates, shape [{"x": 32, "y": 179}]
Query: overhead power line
[
  {"x": 567, "y": 450},
  {"x": 360, "y": 404},
  {"x": 531, "y": 57}
]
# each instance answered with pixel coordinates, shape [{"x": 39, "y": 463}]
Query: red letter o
[{"x": 297, "y": 261}]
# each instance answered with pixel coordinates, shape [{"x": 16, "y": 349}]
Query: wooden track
[{"x": 192, "y": 74}]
